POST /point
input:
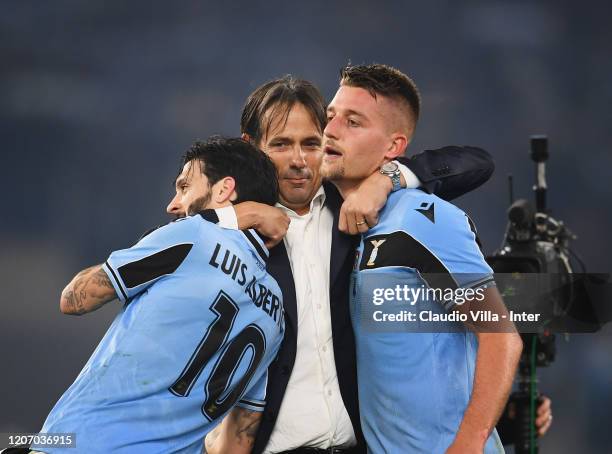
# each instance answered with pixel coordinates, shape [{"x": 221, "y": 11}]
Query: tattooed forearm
[
  {"x": 90, "y": 289},
  {"x": 211, "y": 437},
  {"x": 73, "y": 301},
  {"x": 246, "y": 425},
  {"x": 101, "y": 279},
  {"x": 236, "y": 433}
]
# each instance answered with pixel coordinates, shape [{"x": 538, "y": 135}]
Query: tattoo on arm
[
  {"x": 211, "y": 437},
  {"x": 247, "y": 423},
  {"x": 236, "y": 433},
  {"x": 90, "y": 289},
  {"x": 101, "y": 279}
]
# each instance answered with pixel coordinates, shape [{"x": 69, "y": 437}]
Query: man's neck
[
  {"x": 301, "y": 210},
  {"x": 346, "y": 187},
  {"x": 214, "y": 205}
]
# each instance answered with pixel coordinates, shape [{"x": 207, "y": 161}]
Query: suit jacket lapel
[
  {"x": 342, "y": 244},
  {"x": 279, "y": 267}
]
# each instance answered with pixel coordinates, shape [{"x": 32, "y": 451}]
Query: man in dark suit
[{"x": 312, "y": 390}]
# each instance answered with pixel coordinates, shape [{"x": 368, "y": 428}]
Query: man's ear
[
  {"x": 246, "y": 137},
  {"x": 224, "y": 190},
  {"x": 397, "y": 147}
]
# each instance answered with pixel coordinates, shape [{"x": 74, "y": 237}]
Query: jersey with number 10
[{"x": 202, "y": 321}]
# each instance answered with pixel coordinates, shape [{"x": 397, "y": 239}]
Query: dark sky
[{"x": 99, "y": 100}]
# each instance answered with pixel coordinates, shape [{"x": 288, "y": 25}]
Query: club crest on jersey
[
  {"x": 427, "y": 210},
  {"x": 374, "y": 254}
]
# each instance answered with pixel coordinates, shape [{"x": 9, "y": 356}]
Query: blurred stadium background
[{"x": 98, "y": 100}]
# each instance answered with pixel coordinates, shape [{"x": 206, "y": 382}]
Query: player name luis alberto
[{"x": 232, "y": 265}]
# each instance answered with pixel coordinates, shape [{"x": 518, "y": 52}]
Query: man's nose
[
  {"x": 331, "y": 129},
  {"x": 298, "y": 157},
  {"x": 174, "y": 207}
]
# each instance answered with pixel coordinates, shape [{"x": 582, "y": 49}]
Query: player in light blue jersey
[
  {"x": 423, "y": 387},
  {"x": 201, "y": 320},
  {"x": 420, "y": 371}
]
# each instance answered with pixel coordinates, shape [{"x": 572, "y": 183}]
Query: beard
[
  {"x": 332, "y": 171},
  {"x": 198, "y": 204}
]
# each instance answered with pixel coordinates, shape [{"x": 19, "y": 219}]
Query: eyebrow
[
  {"x": 312, "y": 138},
  {"x": 179, "y": 180},
  {"x": 280, "y": 138},
  {"x": 286, "y": 139},
  {"x": 348, "y": 112}
]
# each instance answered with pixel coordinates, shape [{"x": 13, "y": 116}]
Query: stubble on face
[
  {"x": 199, "y": 204},
  {"x": 193, "y": 191},
  {"x": 293, "y": 142},
  {"x": 333, "y": 170},
  {"x": 357, "y": 135}
]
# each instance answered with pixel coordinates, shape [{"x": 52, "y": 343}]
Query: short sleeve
[
  {"x": 158, "y": 254},
  {"x": 463, "y": 259},
  {"x": 442, "y": 246},
  {"x": 469, "y": 266},
  {"x": 255, "y": 397}
]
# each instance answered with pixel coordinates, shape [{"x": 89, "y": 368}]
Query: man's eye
[
  {"x": 312, "y": 146},
  {"x": 352, "y": 122}
]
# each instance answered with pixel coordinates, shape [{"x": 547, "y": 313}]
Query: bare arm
[
  {"x": 88, "y": 290},
  {"x": 236, "y": 433},
  {"x": 499, "y": 350}
]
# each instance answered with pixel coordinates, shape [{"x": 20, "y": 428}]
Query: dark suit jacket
[{"x": 449, "y": 172}]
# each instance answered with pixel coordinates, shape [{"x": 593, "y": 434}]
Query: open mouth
[{"x": 331, "y": 153}]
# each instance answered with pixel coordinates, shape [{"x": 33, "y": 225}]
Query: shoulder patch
[{"x": 401, "y": 249}]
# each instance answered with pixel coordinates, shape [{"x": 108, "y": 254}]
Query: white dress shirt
[{"x": 312, "y": 412}]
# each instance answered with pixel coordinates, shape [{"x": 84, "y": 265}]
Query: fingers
[
  {"x": 274, "y": 227},
  {"x": 360, "y": 219},
  {"x": 371, "y": 218},
  {"x": 544, "y": 416},
  {"x": 353, "y": 220},
  {"x": 356, "y": 223},
  {"x": 342, "y": 224},
  {"x": 543, "y": 429},
  {"x": 544, "y": 406},
  {"x": 351, "y": 223},
  {"x": 362, "y": 224},
  {"x": 346, "y": 221}
]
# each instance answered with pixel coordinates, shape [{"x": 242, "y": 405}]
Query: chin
[
  {"x": 332, "y": 172},
  {"x": 299, "y": 194}
]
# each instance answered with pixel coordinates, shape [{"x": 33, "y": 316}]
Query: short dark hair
[
  {"x": 281, "y": 95},
  {"x": 254, "y": 173},
  {"x": 383, "y": 80}
]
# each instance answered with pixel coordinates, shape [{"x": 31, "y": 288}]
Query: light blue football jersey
[
  {"x": 414, "y": 383},
  {"x": 202, "y": 321}
]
